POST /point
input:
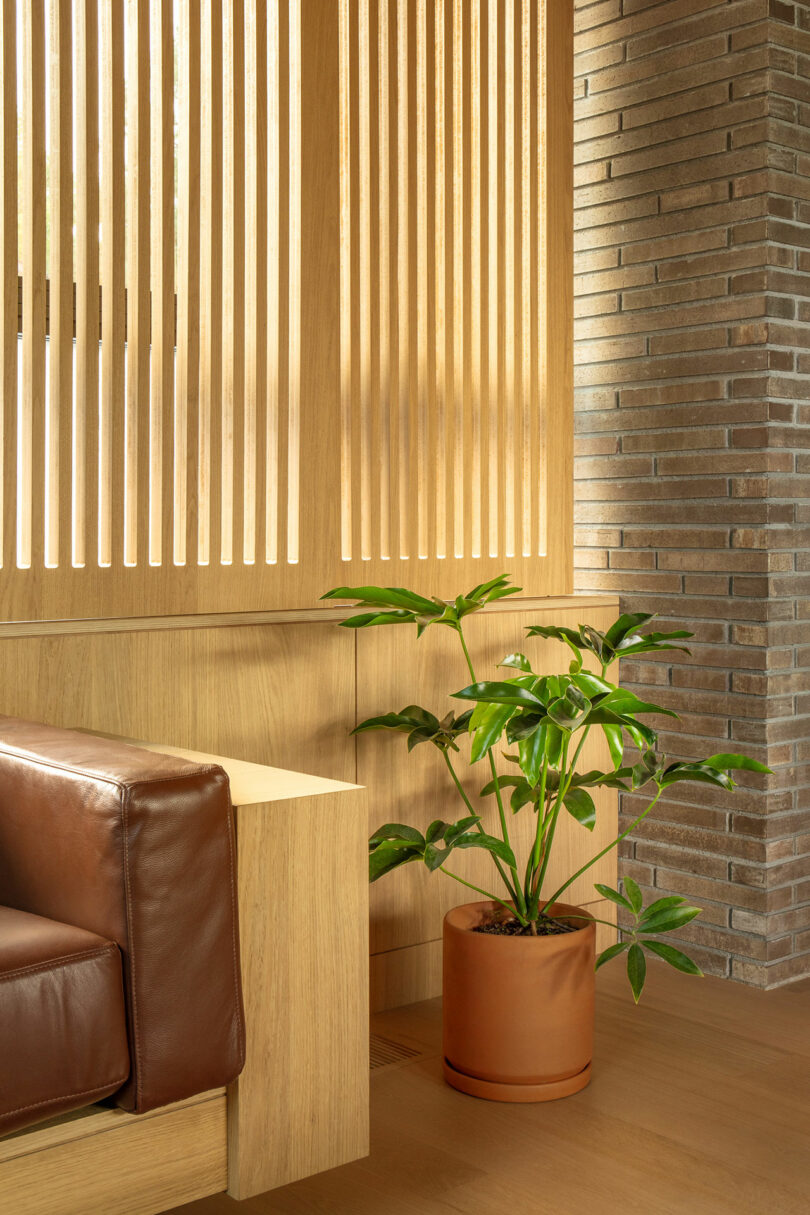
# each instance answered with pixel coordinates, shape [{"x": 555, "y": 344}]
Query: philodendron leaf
[
  {"x": 733, "y": 763},
  {"x": 493, "y": 692},
  {"x": 633, "y": 893},
  {"x": 667, "y": 920},
  {"x": 615, "y": 742},
  {"x": 626, "y": 623},
  {"x": 395, "y": 831},
  {"x": 636, "y": 970},
  {"x": 531, "y": 751},
  {"x": 607, "y": 892},
  {"x": 669, "y": 953},
  {"x": 383, "y": 596},
  {"x": 491, "y": 843},
  {"x": 390, "y": 855},
  {"x": 570, "y": 710},
  {"x": 487, "y": 727},
  {"x": 579, "y": 804},
  {"x": 612, "y": 951},
  {"x": 517, "y": 660}
]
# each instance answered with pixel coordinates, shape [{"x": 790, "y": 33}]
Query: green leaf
[
  {"x": 383, "y": 596},
  {"x": 607, "y": 892},
  {"x": 463, "y": 825},
  {"x": 523, "y": 725},
  {"x": 554, "y": 743},
  {"x": 489, "y": 729},
  {"x": 570, "y": 710},
  {"x": 664, "y": 904},
  {"x": 670, "y": 954},
  {"x": 532, "y": 751},
  {"x": 500, "y": 782},
  {"x": 592, "y": 685},
  {"x": 521, "y": 796},
  {"x": 695, "y": 772},
  {"x": 420, "y": 735},
  {"x": 493, "y": 692},
  {"x": 636, "y": 970},
  {"x": 627, "y": 622},
  {"x": 491, "y": 843},
  {"x": 517, "y": 660},
  {"x": 626, "y": 704},
  {"x": 668, "y": 920},
  {"x": 395, "y": 831},
  {"x": 733, "y": 763},
  {"x": 615, "y": 742},
  {"x": 390, "y": 855},
  {"x": 436, "y": 831},
  {"x": 633, "y": 893},
  {"x": 612, "y": 951},
  {"x": 579, "y": 805},
  {"x": 435, "y": 856},
  {"x": 368, "y": 619}
]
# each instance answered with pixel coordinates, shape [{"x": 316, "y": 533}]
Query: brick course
[{"x": 692, "y": 172}]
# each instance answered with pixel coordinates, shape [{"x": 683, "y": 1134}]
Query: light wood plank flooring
[{"x": 699, "y": 1105}]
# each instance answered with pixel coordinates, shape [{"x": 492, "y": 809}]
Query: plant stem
[
  {"x": 520, "y": 902},
  {"x": 604, "y": 851},
  {"x": 566, "y": 776},
  {"x": 534, "y": 856},
  {"x": 485, "y": 893},
  {"x": 481, "y": 830}
]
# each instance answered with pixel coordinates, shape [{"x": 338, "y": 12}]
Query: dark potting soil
[{"x": 513, "y": 928}]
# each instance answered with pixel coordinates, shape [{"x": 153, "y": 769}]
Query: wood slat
[
  {"x": 31, "y": 434},
  {"x": 8, "y": 281},
  {"x": 272, "y": 249},
  {"x": 111, "y": 411},
  {"x": 255, "y": 281},
  {"x": 85, "y": 408},
  {"x": 210, "y": 318},
  {"x": 444, "y": 492},
  {"x": 60, "y": 389},
  {"x": 294, "y": 283},
  {"x": 136, "y": 420},
  {"x": 233, "y": 366},
  {"x": 188, "y": 285},
  {"x": 161, "y": 36}
]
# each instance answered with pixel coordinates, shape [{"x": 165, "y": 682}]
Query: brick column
[{"x": 693, "y": 448}]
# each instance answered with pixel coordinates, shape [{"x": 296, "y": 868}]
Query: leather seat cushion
[{"x": 63, "y": 1040}]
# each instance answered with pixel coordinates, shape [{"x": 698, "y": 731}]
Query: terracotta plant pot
[{"x": 518, "y": 1011}]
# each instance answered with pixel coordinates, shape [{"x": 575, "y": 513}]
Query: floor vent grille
[{"x": 385, "y": 1053}]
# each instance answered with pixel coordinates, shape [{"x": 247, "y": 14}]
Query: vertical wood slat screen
[{"x": 283, "y": 315}]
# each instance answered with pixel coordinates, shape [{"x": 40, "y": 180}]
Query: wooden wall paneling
[
  {"x": 281, "y": 694},
  {"x": 59, "y": 427},
  {"x": 8, "y": 282},
  {"x": 394, "y": 670}
]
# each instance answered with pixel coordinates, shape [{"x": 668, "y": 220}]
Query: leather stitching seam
[{"x": 64, "y": 960}]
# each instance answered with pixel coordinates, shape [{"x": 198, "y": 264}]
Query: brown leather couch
[{"x": 119, "y": 949}]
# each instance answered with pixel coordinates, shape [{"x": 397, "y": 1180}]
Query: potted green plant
[{"x": 519, "y": 964}]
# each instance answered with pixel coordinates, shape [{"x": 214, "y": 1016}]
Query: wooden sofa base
[
  {"x": 301, "y": 1103},
  {"x": 118, "y": 1163}
]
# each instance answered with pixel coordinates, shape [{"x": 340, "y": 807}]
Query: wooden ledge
[
  {"x": 251, "y": 784},
  {"x": 316, "y": 615}
]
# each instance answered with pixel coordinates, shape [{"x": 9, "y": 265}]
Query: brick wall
[{"x": 693, "y": 448}]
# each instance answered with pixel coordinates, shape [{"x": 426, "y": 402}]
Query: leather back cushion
[{"x": 137, "y": 848}]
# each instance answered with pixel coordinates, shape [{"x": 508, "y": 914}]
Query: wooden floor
[{"x": 699, "y": 1105}]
